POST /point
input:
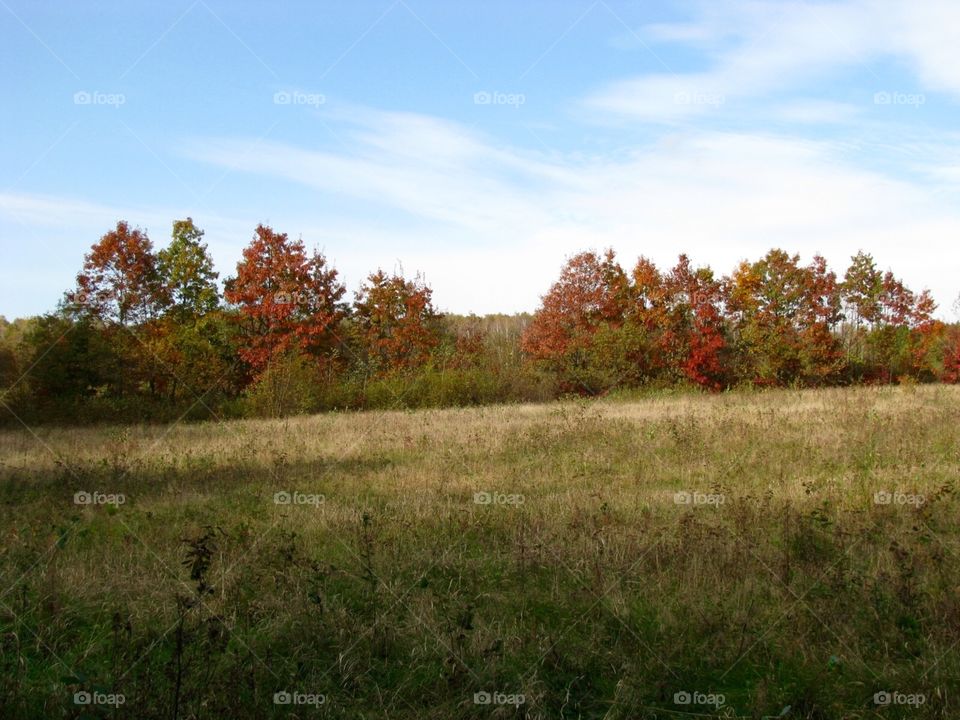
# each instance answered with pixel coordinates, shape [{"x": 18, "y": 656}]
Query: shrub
[{"x": 290, "y": 384}]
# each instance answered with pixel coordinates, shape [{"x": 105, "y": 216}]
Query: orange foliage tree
[
  {"x": 120, "y": 289},
  {"x": 783, "y": 315},
  {"x": 694, "y": 323},
  {"x": 119, "y": 281},
  {"x": 289, "y": 301},
  {"x": 591, "y": 290},
  {"x": 396, "y": 321},
  {"x": 951, "y": 357}
]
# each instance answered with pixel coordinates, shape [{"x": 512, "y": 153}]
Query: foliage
[
  {"x": 396, "y": 321},
  {"x": 120, "y": 281},
  {"x": 288, "y": 301},
  {"x": 187, "y": 272},
  {"x": 145, "y": 335}
]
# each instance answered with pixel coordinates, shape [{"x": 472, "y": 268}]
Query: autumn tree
[
  {"x": 578, "y": 329},
  {"x": 187, "y": 273},
  {"x": 692, "y": 324},
  {"x": 591, "y": 290},
  {"x": 862, "y": 289},
  {"x": 927, "y": 335},
  {"x": 192, "y": 343},
  {"x": 784, "y": 315},
  {"x": 951, "y": 356},
  {"x": 395, "y": 318},
  {"x": 288, "y": 301},
  {"x": 893, "y": 333},
  {"x": 120, "y": 281},
  {"x": 120, "y": 292},
  {"x": 822, "y": 354},
  {"x": 764, "y": 298}
]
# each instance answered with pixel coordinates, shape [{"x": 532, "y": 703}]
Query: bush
[{"x": 291, "y": 384}]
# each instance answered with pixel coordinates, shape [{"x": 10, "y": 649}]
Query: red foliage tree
[
  {"x": 396, "y": 321},
  {"x": 821, "y": 312},
  {"x": 695, "y": 323},
  {"x": 289, "y": 301},
  {"x": 926, "y": 336},
  {"x": 119, "y": 282},
  {"x": 951, "y": 357},
  {"x": 591, "y": 291}
]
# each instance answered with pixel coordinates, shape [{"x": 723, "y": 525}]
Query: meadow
[{"x": 785, "y": 553}]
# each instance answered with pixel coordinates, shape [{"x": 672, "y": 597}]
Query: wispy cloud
[
  {"x": 720, "y": 196},
  {"x": 754, "y": 50}
]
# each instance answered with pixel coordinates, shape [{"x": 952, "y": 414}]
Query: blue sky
[{"x": 482, "y": 143}]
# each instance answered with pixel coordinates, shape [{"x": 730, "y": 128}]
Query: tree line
[{"x": 148, "y": 335}]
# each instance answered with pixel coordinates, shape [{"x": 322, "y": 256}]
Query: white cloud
[
  {"x": 757, "y": 50},
  {"x": 491, "y": 225}
]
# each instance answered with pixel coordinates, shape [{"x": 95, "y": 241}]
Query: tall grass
[{"x": 602, "y": 559}]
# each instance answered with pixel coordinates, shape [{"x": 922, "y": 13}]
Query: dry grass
[{"x": 598, "y": 596}]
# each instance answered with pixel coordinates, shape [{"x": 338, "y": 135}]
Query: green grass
[{"x": 398, "y": 596}]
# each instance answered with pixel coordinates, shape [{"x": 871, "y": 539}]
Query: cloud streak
[{"x": 515, "y": 214}]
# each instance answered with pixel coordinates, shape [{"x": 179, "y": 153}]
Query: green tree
[
  {"x": 73, "y": 358},
  {"x": 187, "y": 273}
]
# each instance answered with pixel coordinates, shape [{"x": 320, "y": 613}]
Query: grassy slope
[{"x": 398, "y": 596}]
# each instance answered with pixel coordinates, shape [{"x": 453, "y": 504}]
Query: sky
[{"x": 483, "y": 143}]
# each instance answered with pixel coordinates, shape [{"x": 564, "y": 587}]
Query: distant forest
[{"x": 148, "y": 336}]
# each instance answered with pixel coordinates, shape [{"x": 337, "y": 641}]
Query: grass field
[{"x": 688, "y": 556}]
